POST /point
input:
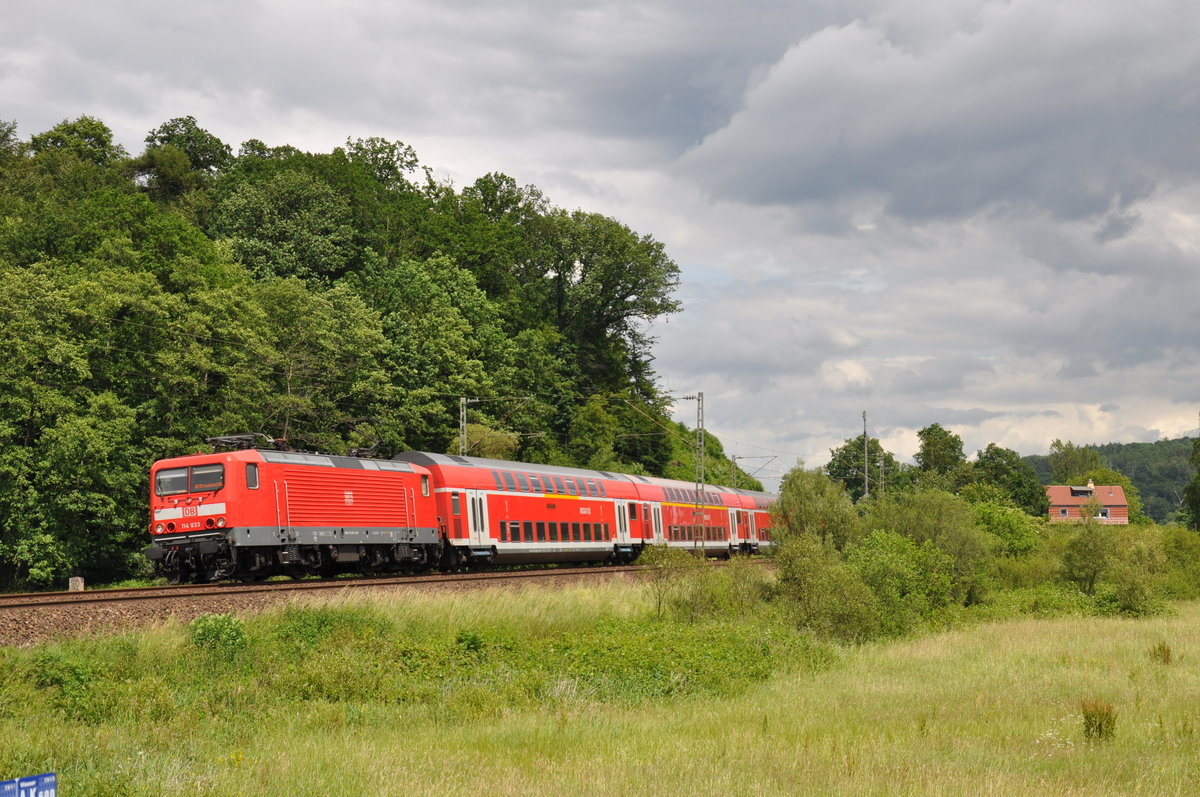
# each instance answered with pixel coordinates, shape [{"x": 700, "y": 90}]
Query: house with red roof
[{"x": 1066, "y": 502}]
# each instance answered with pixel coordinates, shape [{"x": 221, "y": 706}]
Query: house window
[
  {"x": 1103, "y": 513},
  {"x": 1062, "y": 513}
]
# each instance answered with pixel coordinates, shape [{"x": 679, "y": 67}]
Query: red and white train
[{"x": 253, "y": 513}]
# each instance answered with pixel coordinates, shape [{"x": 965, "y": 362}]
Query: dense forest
[{"x": 341, "y": 301}]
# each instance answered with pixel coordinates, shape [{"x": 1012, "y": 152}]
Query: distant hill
[{"x": 1159, "y": 470}]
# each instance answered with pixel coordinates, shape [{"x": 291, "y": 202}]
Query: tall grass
[{"x": 589, "y": 691}]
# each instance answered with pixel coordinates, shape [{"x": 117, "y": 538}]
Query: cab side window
[{"x": 251, "y": 476}]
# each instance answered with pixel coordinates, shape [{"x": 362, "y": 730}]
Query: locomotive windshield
[
  {"x": 196, "y": 479},
  {"x": 172, "y": 481}
]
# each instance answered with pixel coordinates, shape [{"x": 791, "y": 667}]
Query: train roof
[{"x": 451, "y": 460}]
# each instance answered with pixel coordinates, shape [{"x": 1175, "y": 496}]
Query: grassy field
[{"x": 584, "y": 691}]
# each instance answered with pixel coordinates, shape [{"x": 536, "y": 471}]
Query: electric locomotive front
[
  {"x": 194, "y": 501},
  {"x": 253, "y": 513}
]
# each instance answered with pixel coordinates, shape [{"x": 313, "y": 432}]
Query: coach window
[
  {"x": 508, "y": 481},
  {"x": 521, "y": 480},
  {"x": 425, "y": 486},
  {"x": 607, "y": 533},
  {"x": 571, "y": 490},
  {"x": 496, "y": 476},
  {"x": 251, "y": 476},
  {"x": 528, "y": 531},
  {"x": 503, "y": 531},
  {"x": 558, "y": 485},
  {"x": 587, "y": 532},
  {"x": 591, "y": 487},
  {"x": 541, "y": 531},
  {"x": 575, "y": 532},
  {"x": 454, "y": 504},
  {"x": 514, "y": 531},
  {"x": 553, "y": 531},
  {"x": 535, "y": 482},
  {"x": 600, "y": 486}
]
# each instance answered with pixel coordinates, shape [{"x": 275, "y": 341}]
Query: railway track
[{"x": 27, "y": 600}]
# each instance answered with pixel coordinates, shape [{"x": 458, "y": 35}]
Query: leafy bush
[
  {"x": 910, "y": 581},
  {"x": 948, "y": 522},
  {"x": 1042, "y": 566},
  {"x": 823, "y": 594},
  {"x": 1015, "y": 531},
  {"x": 672, "y": 572},
  {"x": 1181, "y": 548},
  {"x": 223, "y": 635}
]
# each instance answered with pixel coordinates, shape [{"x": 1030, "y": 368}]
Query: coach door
[
  {"x": 477, "y": 518},
  {"x": 622, "y": 508},
  {"x": 735, "y": 529},
  {"x": 658, "y": 531}
]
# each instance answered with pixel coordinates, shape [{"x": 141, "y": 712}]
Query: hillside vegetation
[{"x": 339, "y": 300}]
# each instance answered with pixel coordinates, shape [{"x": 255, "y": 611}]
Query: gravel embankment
[{"x": 30, "y": 625}]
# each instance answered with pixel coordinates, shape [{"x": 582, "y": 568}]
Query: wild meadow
[{"x": 688, "y": 682}]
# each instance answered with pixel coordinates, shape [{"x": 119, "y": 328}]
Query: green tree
[
  {"x": 1092, "y": 550},
  {"x": 166, "y": 173},
  {"x": 86, "y": 137},
  {"x": 1069, "y": 461},
  {"x": 945, "y": 520},
  {"x": 1004, "y": 468},
  {"x": 1191, "y": 493},
  {"x": 812, "y": 503},
  {"x": 10, "y": 145},
  {"x": 290, "y": 225},
  {"x": 593, "y": 433},
  {"x": 941, "y": 451},
  {"x": 846, "y": 464},
  {"x": 608, "y": 281},
  {"x": 205, "y": 152}
]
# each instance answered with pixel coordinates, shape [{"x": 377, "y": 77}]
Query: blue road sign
[{"x": 44, "y": 785}]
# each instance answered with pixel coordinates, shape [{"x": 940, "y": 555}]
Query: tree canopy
[{"x": 342, "y": 300}]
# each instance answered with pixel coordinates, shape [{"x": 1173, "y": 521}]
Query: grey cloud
[{"x": 1017, "y": 104}]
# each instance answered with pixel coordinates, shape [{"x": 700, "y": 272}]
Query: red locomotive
[{"x": 253, "y": 513}]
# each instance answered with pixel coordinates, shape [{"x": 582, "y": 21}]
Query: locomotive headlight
[
  {"x": 158, "y": 528},
  {"x": 220, "y": 522}
]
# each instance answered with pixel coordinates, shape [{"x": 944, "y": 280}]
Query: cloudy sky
[{"x": 983, "y": 213}]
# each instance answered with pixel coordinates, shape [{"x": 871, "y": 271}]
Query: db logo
[
  {"x": 191, "y": 511},
  {"x": 349, "y": 496}
]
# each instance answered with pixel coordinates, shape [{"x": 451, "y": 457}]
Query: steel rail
[{"x": 182, "y": 591}]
